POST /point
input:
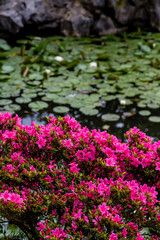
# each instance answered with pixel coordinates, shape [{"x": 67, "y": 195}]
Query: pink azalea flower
[
  {"x": 9, "y": 134},
  {"x": 78, "y": 215},
  {"x": 58, "y": 233},
  {"x": 124, "y": 233},
  {"x": 13, "y": 197},
  {"x": 41, "y": 226},
  {"x": 157, "y": 165},
  {"x": 9, "y": 168},
  {"x": 32, "y": 169},
  {"x": 103, "y": 208},
  {"x": 74, "y": 226},
  {"x": 113, "y": 236},
  {"x": 91, "y": 185},
  {"x": 67, "y": 143},
  {"x": 139, "y": 237},
  {"x": 74, "y": 168},
  {"x": 41, "y": 142},
  {"x": 110, "y": 162},
  {"x": 117, "y": 219}
]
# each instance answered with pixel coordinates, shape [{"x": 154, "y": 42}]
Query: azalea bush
[{"x": 63, "y": 181}]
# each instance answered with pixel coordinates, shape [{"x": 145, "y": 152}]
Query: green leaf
[
  {"x": 153, "y": 105},
  {"x": 110, "y": 117},
  {"x": 144, "y": 113},
  {"x": 22, "y": 100},
  {"x": 71, "y": 65},
  {"x": 7, "y": 69},
  {"x": 41, "y": 47},
  {"x": 155, "y": 119},
  {"x": 38, "y": 105},
  {"x": 3, "y": 45},
  {"x": 89, "y": 111},
  {"x": 103, "y": 57},
  {"x": 61, "y": 109},
  {"x": 12, "y": 108},
  {"x": 5, "y": 102},
  {"x": 4, "y": 78}
]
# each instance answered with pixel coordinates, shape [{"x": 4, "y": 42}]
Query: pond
[{"x": 110, "y": 82}]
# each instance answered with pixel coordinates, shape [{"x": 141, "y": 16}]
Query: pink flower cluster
[
  {"x": 12, "y": 197},
  {"x": 63, "y": 181}
]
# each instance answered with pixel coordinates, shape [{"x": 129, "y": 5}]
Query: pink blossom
[
  {"x": 12, "y": 197},
  {"x": 117, "y": 219},
  {"x": 67, "y": 143},
  {"x": 124, "y": 232},
  {"x": 71, "y": 179},
  {"x": 41, "y": 142},
  {"x": 74, "y": 225},
  {"x": 103, "y": 188},
  {"x": 9, "y": 134},
  {"x": 74, "y": 168},
  {"x": 78, "y": 215},
  {"x": 157, "y": 165},
  {"x": 110, "y": 162},
  {"x": 32, "y": 169},
  {"x": 9, "y": 168},
  {"x": 41, "y": 226},
  {"x": 91, "y": 185},
  {"x": 113, "y": 236},
  {"x": 139, "y": 237},
  {"x": 103, "y": 208}
]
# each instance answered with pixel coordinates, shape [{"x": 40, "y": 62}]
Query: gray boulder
[
  {"x": 77, "y": 17},
  {"x": 77, "y": 21}
]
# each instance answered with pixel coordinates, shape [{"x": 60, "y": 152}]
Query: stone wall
[{"x": 77, "y": 17}]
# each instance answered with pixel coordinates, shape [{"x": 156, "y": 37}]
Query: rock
[
  {"x": 155, "y": 14},
  {"x": 93, "y": 6},
  {"x": 15, "y": 15},
  {"x": 105, "y": 25},
  {"x": 77, "y": 17},
  {"x": 60, "y": 3},
  {"x": 77, "y": 21},
  {"x": 141, "y": 15},
  {"x": 10, "y": 21},
  {"x": 124, "y": 14}
]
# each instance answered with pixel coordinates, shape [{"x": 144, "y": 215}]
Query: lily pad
[
  {"x": 141, "y": 105},
  {"x": 22, "y": 100},
  {"x": 38, "y": 105},
  {"x": 76, "y": 104},
  {"x": 61, "y": 100},
  {"x": 54, "y": 89},
  {"x": 110, "y": 117},
  {"x": 144, "y": 113},
  {"x": 33, "y": 83},
  {"x": 61, "y": 109},
  {"x": 12, "y": 108},
  {"x": 29, "y": 95},
  {"x": 89, "y": 111},
  {"x": 153, "y": 105},
  {"x": 5, "y": 102},
  {"x": 109, "y": 97},
  {"x": 35, "y": 76},
  {"x": 49, "y": 97},
  {"x": 155, "y": 119},
  {"x": 4, "y": 45},
  {"x": 4, "y": 77},
  {"x": 7, "y": 69}
]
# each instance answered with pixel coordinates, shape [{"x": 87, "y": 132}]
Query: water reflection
[{"x": 116, "y": 128}]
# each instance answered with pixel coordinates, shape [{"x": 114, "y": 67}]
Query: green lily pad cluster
[{"x": 103, "y": 77}]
